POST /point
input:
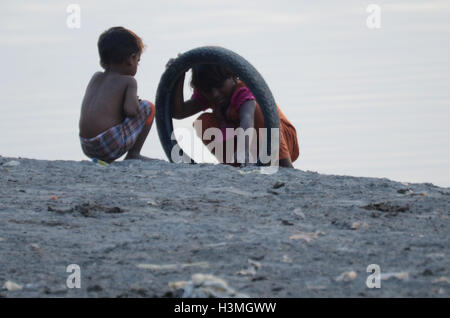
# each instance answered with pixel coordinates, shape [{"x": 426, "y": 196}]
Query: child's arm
[
  {"x": 131, "y": 103},
  {"x": 247, "y": 114},
  {"x": 180, "y": 108},
  {"x": 247, "y": 120}
]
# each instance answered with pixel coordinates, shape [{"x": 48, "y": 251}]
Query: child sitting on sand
[
  {"x": 113, "y": 120},
  {"x": 233, "y": 106}
]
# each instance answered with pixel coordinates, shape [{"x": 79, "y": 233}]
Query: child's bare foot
[{"x": 131, "y": 156}]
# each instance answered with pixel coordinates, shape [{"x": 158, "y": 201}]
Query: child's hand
[{"x": 170, "y": 62}]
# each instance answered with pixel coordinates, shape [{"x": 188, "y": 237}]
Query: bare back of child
[{"x": 109, "y": 98}]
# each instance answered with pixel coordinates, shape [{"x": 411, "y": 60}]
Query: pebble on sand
[
  {"x": 306, "y": 236},
  {"x": 357, "y": 225},
  {"x": 12, "y": 163},
  {"x": 400, "y": 276},
  {"x": 442, "y": 279},
  {"x": 346, "y": 276},
  {"x": 286, "y": 259},
  {"x": 172, "y": 267},
  {"x": 205, "y": 286},
  {"x": 12, "y": 286},
  {"x": 298, "y": 212},
  {"x": 35, "y": 247},
  {"x": 251, "y": 270}
]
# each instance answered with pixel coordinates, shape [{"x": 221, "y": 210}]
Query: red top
[{"x": 240, "y": 95}]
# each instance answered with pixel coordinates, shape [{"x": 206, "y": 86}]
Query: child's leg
[
  {"x": 135, "y": 150},
  {"x": 288, "y": 147}
]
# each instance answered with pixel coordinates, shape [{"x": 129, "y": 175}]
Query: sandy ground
[{"x": 142, "y": 229}]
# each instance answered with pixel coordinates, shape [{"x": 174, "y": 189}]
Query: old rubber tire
[{"x": 204, "y": 55}]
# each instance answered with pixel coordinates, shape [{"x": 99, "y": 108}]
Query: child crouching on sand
[
  {"x": 113, "y": 120},
  {"x": 233, "y": 106}
]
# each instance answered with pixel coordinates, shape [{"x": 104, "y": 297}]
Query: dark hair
[
  {"x": 207, "y": 76},
  {"x": 117, "y": 44}
]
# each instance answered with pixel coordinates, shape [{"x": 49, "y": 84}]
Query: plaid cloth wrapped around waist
[{"x": 117, "y": 140}]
